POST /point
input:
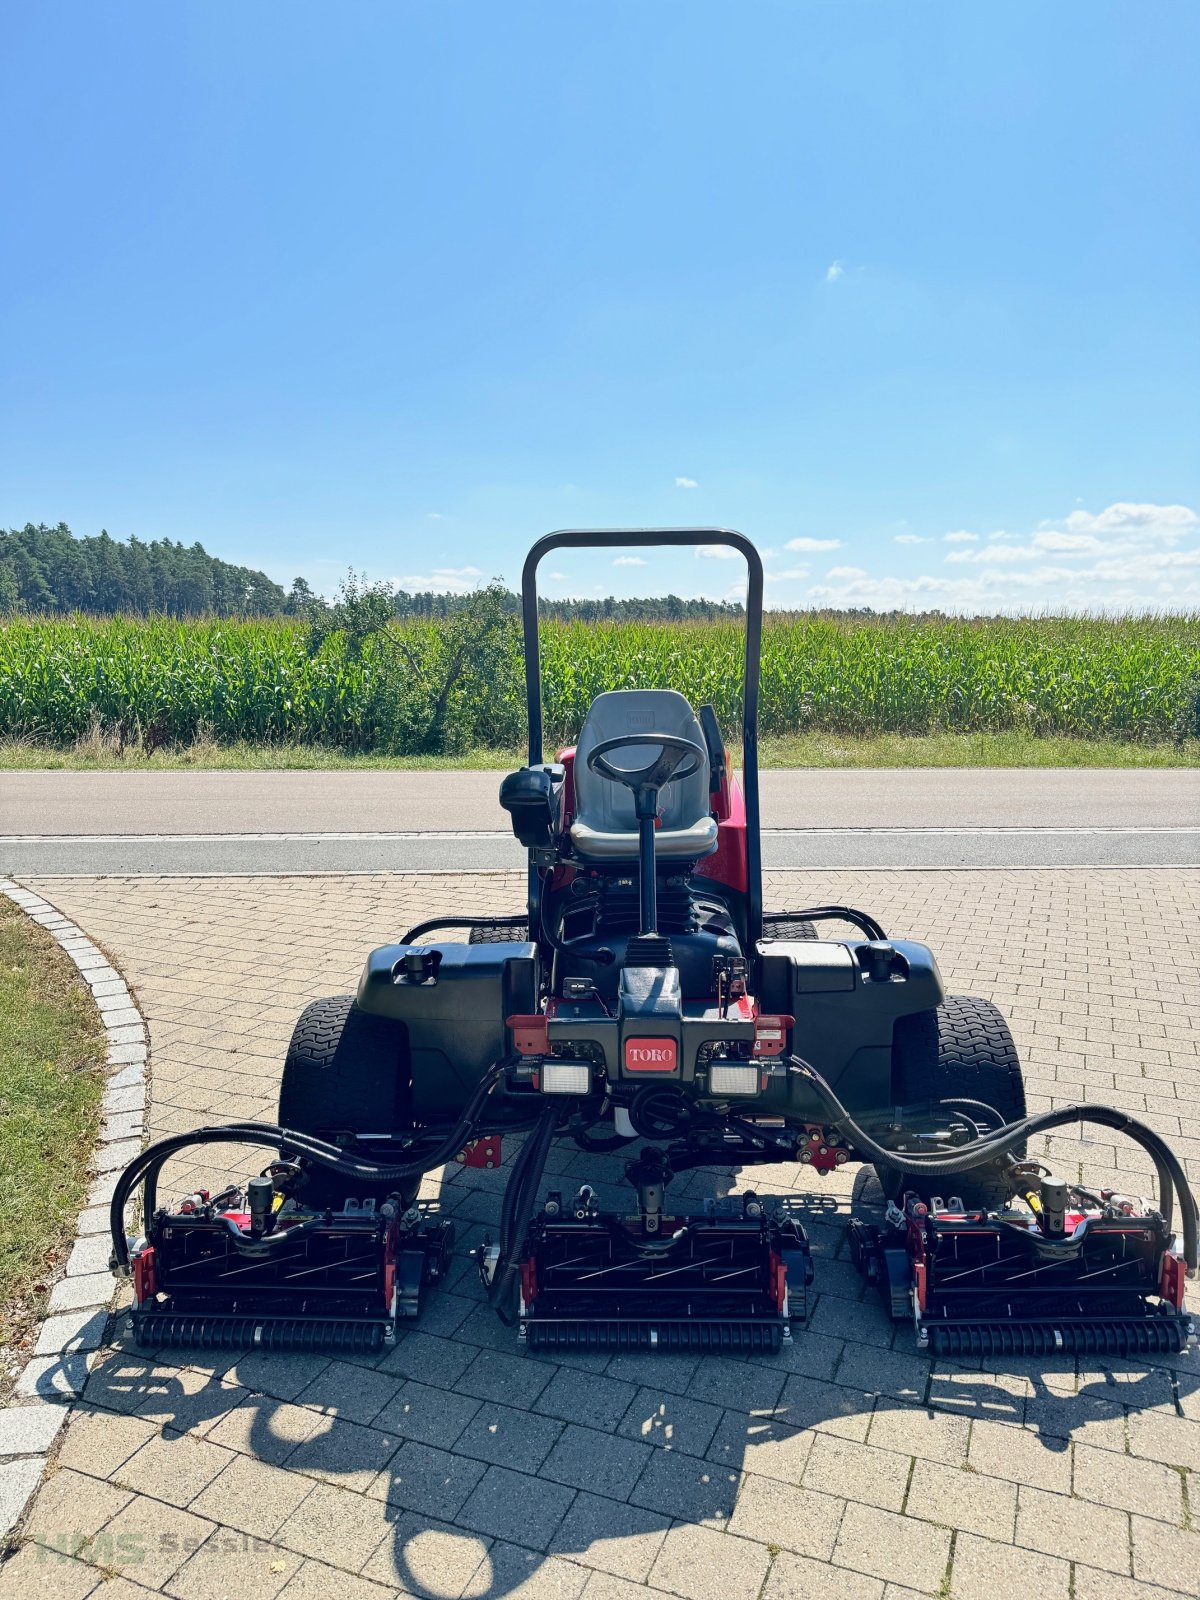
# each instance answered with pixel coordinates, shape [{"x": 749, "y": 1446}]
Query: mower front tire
[
  {"x": 346, "y": 1072},
  {"x": 963, "y": 1050}
]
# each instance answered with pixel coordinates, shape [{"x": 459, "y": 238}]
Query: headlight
[
  {"x": 566, "y": 1077},
  {"x": 726, "y": 1078}
]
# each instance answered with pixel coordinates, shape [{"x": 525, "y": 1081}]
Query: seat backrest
[{"x": 607, "y": 806}]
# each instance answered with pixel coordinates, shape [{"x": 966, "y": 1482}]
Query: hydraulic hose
[
  {"x": 331, "y": 1157},
  {"x": 515, "y": 1217},
  {"x": 1005, "y": 1139}
]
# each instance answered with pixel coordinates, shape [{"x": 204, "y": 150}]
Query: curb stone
[{"x": 78, "y": 1310}]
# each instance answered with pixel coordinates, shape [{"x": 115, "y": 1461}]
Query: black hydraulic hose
[
  {"x": 329, "y": 1156},
  {"x": 529, "y": 1176},
  {"x": 997, "y": 1144},
  {"x": 862, "y": 920}
]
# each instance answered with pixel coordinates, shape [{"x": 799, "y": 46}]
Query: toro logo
[{"x": 651, "y": 1055}]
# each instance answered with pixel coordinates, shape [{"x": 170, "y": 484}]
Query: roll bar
[{"x": 607, "y": 539}]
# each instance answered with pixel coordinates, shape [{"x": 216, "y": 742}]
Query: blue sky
[{"x": 404, "y": 285}]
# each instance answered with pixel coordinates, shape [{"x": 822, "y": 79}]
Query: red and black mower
[{"x": 644, "y": 1003}]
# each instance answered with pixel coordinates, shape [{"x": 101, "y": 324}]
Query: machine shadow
[{"x": 487, "y": 1463}]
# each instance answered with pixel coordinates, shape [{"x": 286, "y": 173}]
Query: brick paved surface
[{"x": 452, "y": 1466}]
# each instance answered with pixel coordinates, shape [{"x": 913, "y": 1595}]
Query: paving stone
[
  {"x": 674, "y": 1373},
  {"x": 53, "y": 1378},
  {"x": 232, "y": 1564},
  {"x": 252, "y": 1497},
  {"x": 736, "y": 1385},
  {"x": 1157, "y": 1437},
  {"x": 97, "y": 1442},
  {"x": 91, "y": 1255},
  {"x": 761, "y": 1445},
  {"x": 173, "y": 1468},
  {"x": 38, "y": 1572},
  {"x": 431, "y": 1416},
  {"x": 71, "y": 1506},
  {"x": 604, "y": 1586},
  {"x": 610, "y": 1535},
  {"x": 147, "y": 1541},
  {"x": 337, "y": 1524},
  {"x": 778, "y": 1513},
  {"x": 509, "y": 1379},
  {"x": 183, "y": 1400},
  {"x": 29, "y": 1430},
  {"x": 504, "y": 1501},
  {"x": 422, "y": 1478},
  {"x": 588, "y": 1459},
  {"x": 884, "y": 1545},
  {"x": 918, "y": 1431},
  {"x": 1092, "y": 1584},
  {"x": 1129, "y": 1484},
  {"x": 355, "y": 1393},
  {"x": 438, "y": 1362},
  {"x": 956, "y": 1498},
  {"x": 314, "y": 1581},
  {"x": 700, "y": 1492},
  {"x": 268, "y": 1433},
  {"x": 89, "y": 1289},
  {"x": 595, "y": 1400},
  {"x": 284, "y": 1377},
  {"x": 81, "y": 1329},
  {"x": 343, "y": 1453},
  {"x": 807, "y": 1403},
  {"x": 658, "y": 1418},
  {"x": 18, "y": 1479},
  {"x": 861, "y": 1323},
  {"x": 1086, "y": 1419},
  {"x": 1163, "y": 1555},
  {"x": 1073, "y": 1529},
  {"x": 509, "y": 1438},
  {"x": 883, "y": 1372},
  {"x": 1021, "y": 1456},
  {"x": 800, "y": 1578},
  {"x": 513, "y": 1571},
  {"x": 427, "y": 1559},
  {"x": 855, "y": 1472},
  {"x": 985, "y": 1570},
  {"x": 701, "y": 1564}
]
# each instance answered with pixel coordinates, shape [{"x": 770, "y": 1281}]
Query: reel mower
[{"x": 644, "y": 1006}]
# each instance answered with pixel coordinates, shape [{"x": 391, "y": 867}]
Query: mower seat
[{"x": 605, "y": 825}]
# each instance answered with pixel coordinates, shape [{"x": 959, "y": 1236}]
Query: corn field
[{"x": 1135, "y": 678}]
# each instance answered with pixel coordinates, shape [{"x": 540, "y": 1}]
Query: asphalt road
[{"x": 239, "y": 822}]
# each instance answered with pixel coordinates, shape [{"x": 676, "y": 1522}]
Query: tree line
[{"x": 49, "y": 572}]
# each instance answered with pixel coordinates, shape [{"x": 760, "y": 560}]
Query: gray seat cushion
[{"x": 605, "y": 824}]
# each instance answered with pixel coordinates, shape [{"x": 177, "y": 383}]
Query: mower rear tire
[
  {"x": 962, "y": 1050},
  {"x": 784, "y": 928},
  {"x": 346, "y": 1071},
  {"x": 512, "y": 928}
]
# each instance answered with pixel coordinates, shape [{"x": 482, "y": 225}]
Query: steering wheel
[{"x": 672, "y": 751}]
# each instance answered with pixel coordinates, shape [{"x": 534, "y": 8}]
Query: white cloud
[
  {"x": 435, "y": 516},
  {"x": 686, "y": 483},
  {"x": 834, "y": 271},
  {"x": 1124, "y": 529},
  {"x": 1163, "y": 522},
  {"x": 1133, "y": 557},
  {"x": 718, "y": 552},
  {"x": 629, "y": 561},
  {"x": 788, "y": 572},
  {"x": 911, "y": 538},
  {"x": 813, "y": 544},
  {"x": 443, "y": 580}
]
